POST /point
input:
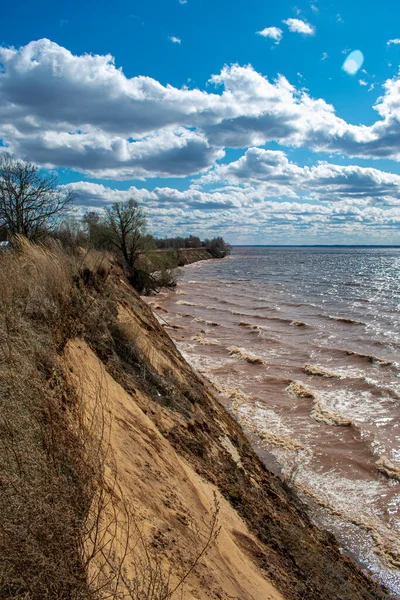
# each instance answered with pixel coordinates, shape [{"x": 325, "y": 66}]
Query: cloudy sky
[{"x": 266, "y": 122}]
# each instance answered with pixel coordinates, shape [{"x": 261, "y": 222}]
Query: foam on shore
[
  {"x": 319, "y": 371},
  {"x": 385, "y": 466},
  {"x": 320, "y": 412},
  {"x": 244, "y": 355}
]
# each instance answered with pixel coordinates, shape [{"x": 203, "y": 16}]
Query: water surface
[{"x": 303, "y": 346}]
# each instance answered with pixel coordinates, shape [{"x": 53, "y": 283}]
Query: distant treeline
[{"x": 217, "y": 246}]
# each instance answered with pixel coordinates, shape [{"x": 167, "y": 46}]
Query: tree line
[{"x": 33, "y": 204}]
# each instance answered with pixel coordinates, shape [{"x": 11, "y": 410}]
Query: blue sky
[{"x": 233, "y": 118}]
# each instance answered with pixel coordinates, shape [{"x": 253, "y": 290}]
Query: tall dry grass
[
  {"x": 66, "y": 530},
  {"x": 50, "y": 461}
]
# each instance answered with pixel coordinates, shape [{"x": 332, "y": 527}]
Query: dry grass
[
  {"x": 50, "y": 461},
  {"x": 65, "y": 528}
]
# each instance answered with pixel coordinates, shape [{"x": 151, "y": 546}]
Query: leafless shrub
[{"x": 139, "y": 571}]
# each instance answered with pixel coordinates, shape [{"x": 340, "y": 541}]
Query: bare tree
[
  {"x": 125, "y": 225},
  {"x": 30, "y": 200}
]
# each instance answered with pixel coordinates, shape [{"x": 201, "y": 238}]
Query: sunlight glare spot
[{"x": 353, "y": 62}]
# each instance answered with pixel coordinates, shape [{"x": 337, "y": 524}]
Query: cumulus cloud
[
  {"x": 395, "y": 42},
  {"x": 165, "y": 153},
  {"x": 279, "y": 177},
  {"x": 299, "y": 26},
  {"x": 253, "y": 213},
  {"x": 275, "y": 33},
  {"x": 82, "y": 112},
  {"x": 175, "y": 40}
]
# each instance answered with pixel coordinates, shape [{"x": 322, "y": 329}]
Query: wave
[
  {"x": 205, "y": 341},
  {"x": 346, "y": 320},
  {"x": 385, "y": 466},
  {"x": 280, "y": 442},
  {"x": 240, "y": 314},
  {"x": 209, "y": 323},
  {"x": 267, "y": 307},
  {"x": 322, "y": 414},
  {"x": 232, "y": 393},
  {"x": 319, "y": 371},
  {"x": 371, "y": 358},
  {"x": 248, "y": 325},
  {"x": 382, "y": 389},
  {"x": 300, "y": 304},
  {"x": 260, "y": 421},
  {"x": 388, "y": 549},
  {"x": 298, "y": 389},
  {"x": 186, "y": 303},
  {"x": 297, "y": 324},
  {"x": 261, "y": 317},
  {"x": 244, "y": 355}
]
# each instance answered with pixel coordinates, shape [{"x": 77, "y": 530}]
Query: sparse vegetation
[
  {"x": 218, "y": 247},
  {"x": 31, "y": 201}
]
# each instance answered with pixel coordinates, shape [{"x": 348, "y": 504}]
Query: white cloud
[
  {"x": 395, "y": 42},
  {"x": 276, "y": 176},
  {"x": 327, "y": 201},
  {"x": 175, "y": 40},
  {"x": 272, "y": 32},
  {"x": 299, "y": 26},
  {"x": 165, "y": 153},
  {"x": 324, "y": 56},
  {"x": 82, "y": 112},
  {"x": 362, "y": 82}
]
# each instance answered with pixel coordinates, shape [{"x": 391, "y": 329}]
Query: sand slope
[{"x": 167, "y": 493}]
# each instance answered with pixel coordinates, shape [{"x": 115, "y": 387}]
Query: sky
[{"x": 265, "y": 122}]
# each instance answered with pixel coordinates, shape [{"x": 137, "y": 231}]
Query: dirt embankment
[
  {"x": 187, "y": 256},
  {"x": 175, "y": 446}
]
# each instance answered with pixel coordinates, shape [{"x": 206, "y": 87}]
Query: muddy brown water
[{"x": 303, "y": 346}]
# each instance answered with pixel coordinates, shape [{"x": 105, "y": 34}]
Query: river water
[{"x": 303, "y": 347}]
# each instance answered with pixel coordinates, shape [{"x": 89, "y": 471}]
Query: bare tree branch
[
  {"x": 30, "y": 201},
  {"x": 125, "y": 227}
]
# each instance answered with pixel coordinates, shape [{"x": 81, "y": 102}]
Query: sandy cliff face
[
  {"x": 187, "y": 256},
  {"x": 172, "y": 502},
  {"x": 175, "y": 447}
]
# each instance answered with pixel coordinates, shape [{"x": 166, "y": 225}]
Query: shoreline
[{"x": 278, "y": 471}]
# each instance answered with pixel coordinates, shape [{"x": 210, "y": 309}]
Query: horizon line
[{"x": 315, "y": 245}]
